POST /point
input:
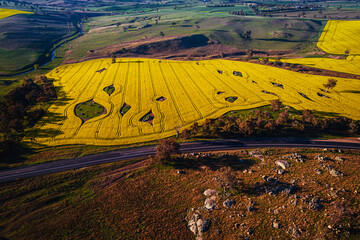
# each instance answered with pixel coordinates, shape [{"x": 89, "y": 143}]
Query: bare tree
[{"x": 166, "y": 148}]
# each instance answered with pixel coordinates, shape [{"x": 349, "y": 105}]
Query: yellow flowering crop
[
  {"x": 349, "y": 65},
  {"x": 9, "y": 12},
  {"x": 193, "y": 91},
  {"x": 339, "y": 36}
]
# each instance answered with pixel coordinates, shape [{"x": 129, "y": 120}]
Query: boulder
[
  {"x": 209, "y": 204},
  {"x": 276, "y": 225},
  {"x": 202, "y": 226},
  {"x": 209, "y": 192},
  {"x": 339, "y": 159},
  {"x": 315, "y": 204},
  {"x": 335, "y": 173},
  {"x": 282, "y": 163},
  {"x": 197, "y": 225},
  {"x": 192, "y": 226},
  {"x": 228, "y": 203}
]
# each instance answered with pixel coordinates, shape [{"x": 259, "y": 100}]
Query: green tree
[{"x": 330, "y": 84}]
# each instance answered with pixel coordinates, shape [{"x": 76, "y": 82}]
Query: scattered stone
[
  {"x": 180, "y": 171},
  {"x": 321, "y": 158},
  {"x": 209, "y": 204},
  {"x": 283, "y": 164},
  {"x": 339, "y": 159},
  {"x": 237, "y": 225},
  {"x": 276, "y": 225},
  {"x": 335, "y": 173},
  {"x": 318, "y": 171},
  {"x": 257, "y": 154},
  {"x": 250, "y": 232},
  {"x": 280, "y": 172},
  {"x": 209, "y": 192},
  {"x": 228, "y": 203},
  {"x": 315, "y": 204},
  {"x": 251, "y": 206},
  {"x": 294, "y": 231},
  {"x": 295, "y": 156}
]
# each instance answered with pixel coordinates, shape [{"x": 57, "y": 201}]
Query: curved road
[{"x": 142, "y": 152}]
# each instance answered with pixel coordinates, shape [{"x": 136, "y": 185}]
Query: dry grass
[{"x": 145, "y": 200}]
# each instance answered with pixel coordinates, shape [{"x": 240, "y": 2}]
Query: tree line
[
  {"x": 17, "y": 111},
  {"x": 264, "y": 123}
]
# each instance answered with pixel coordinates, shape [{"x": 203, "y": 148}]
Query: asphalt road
[{"x": 142, "y": 152}]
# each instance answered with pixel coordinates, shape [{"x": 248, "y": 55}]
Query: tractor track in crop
[
  {"x": 186, "y": 92},
  {"x": 118, "y": 130},
  {"x": 112, "y": 106},
  {"x": 172, "y": 96},
  {"x": 162, "y": 115},
  {"x": 215, "y": 90}
]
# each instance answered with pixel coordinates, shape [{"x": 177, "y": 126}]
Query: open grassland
[
  {"x": 147, "y": 201},
  {"x": 29, "y": 39},
  {"x": 349, "y": 65},
  {"x": 10, "y": 12},
  {"x": 266, "y": 33},
  {"x": 161, "y": 96},
  {"x": 339, "y": 36}
]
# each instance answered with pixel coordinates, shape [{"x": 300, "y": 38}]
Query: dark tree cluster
[
  {"x": 221, "y": 5},
  {"x": 246, "y": 35},
  {"x": 15, "y": 110},
  {"x": 263, "y": 123},
  {"x": 165, "y": 149},
  {"x": 240, "y": 13}
]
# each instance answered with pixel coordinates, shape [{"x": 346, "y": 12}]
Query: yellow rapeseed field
[
  {"x": 349, "y": 65},
  {"x": 9, "y": 12},
  {"x": 190, "y": 91},
  {"x": 339, "y": 36}
]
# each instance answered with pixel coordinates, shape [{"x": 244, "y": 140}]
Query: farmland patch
[
  {"x": 340, "y": 37},
  {"x": 193, "y": 93},
  {"x": 10, "y": 12}
]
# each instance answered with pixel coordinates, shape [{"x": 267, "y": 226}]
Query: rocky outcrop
[{"x": 197, "y": 225}]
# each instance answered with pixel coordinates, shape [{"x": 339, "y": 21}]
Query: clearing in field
[
  {"x": 139, "y": 100},
  {"x": 9, "y": 12},
  {"x": 349, "y": 65},
  {"x": 340, "y": 36}
]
